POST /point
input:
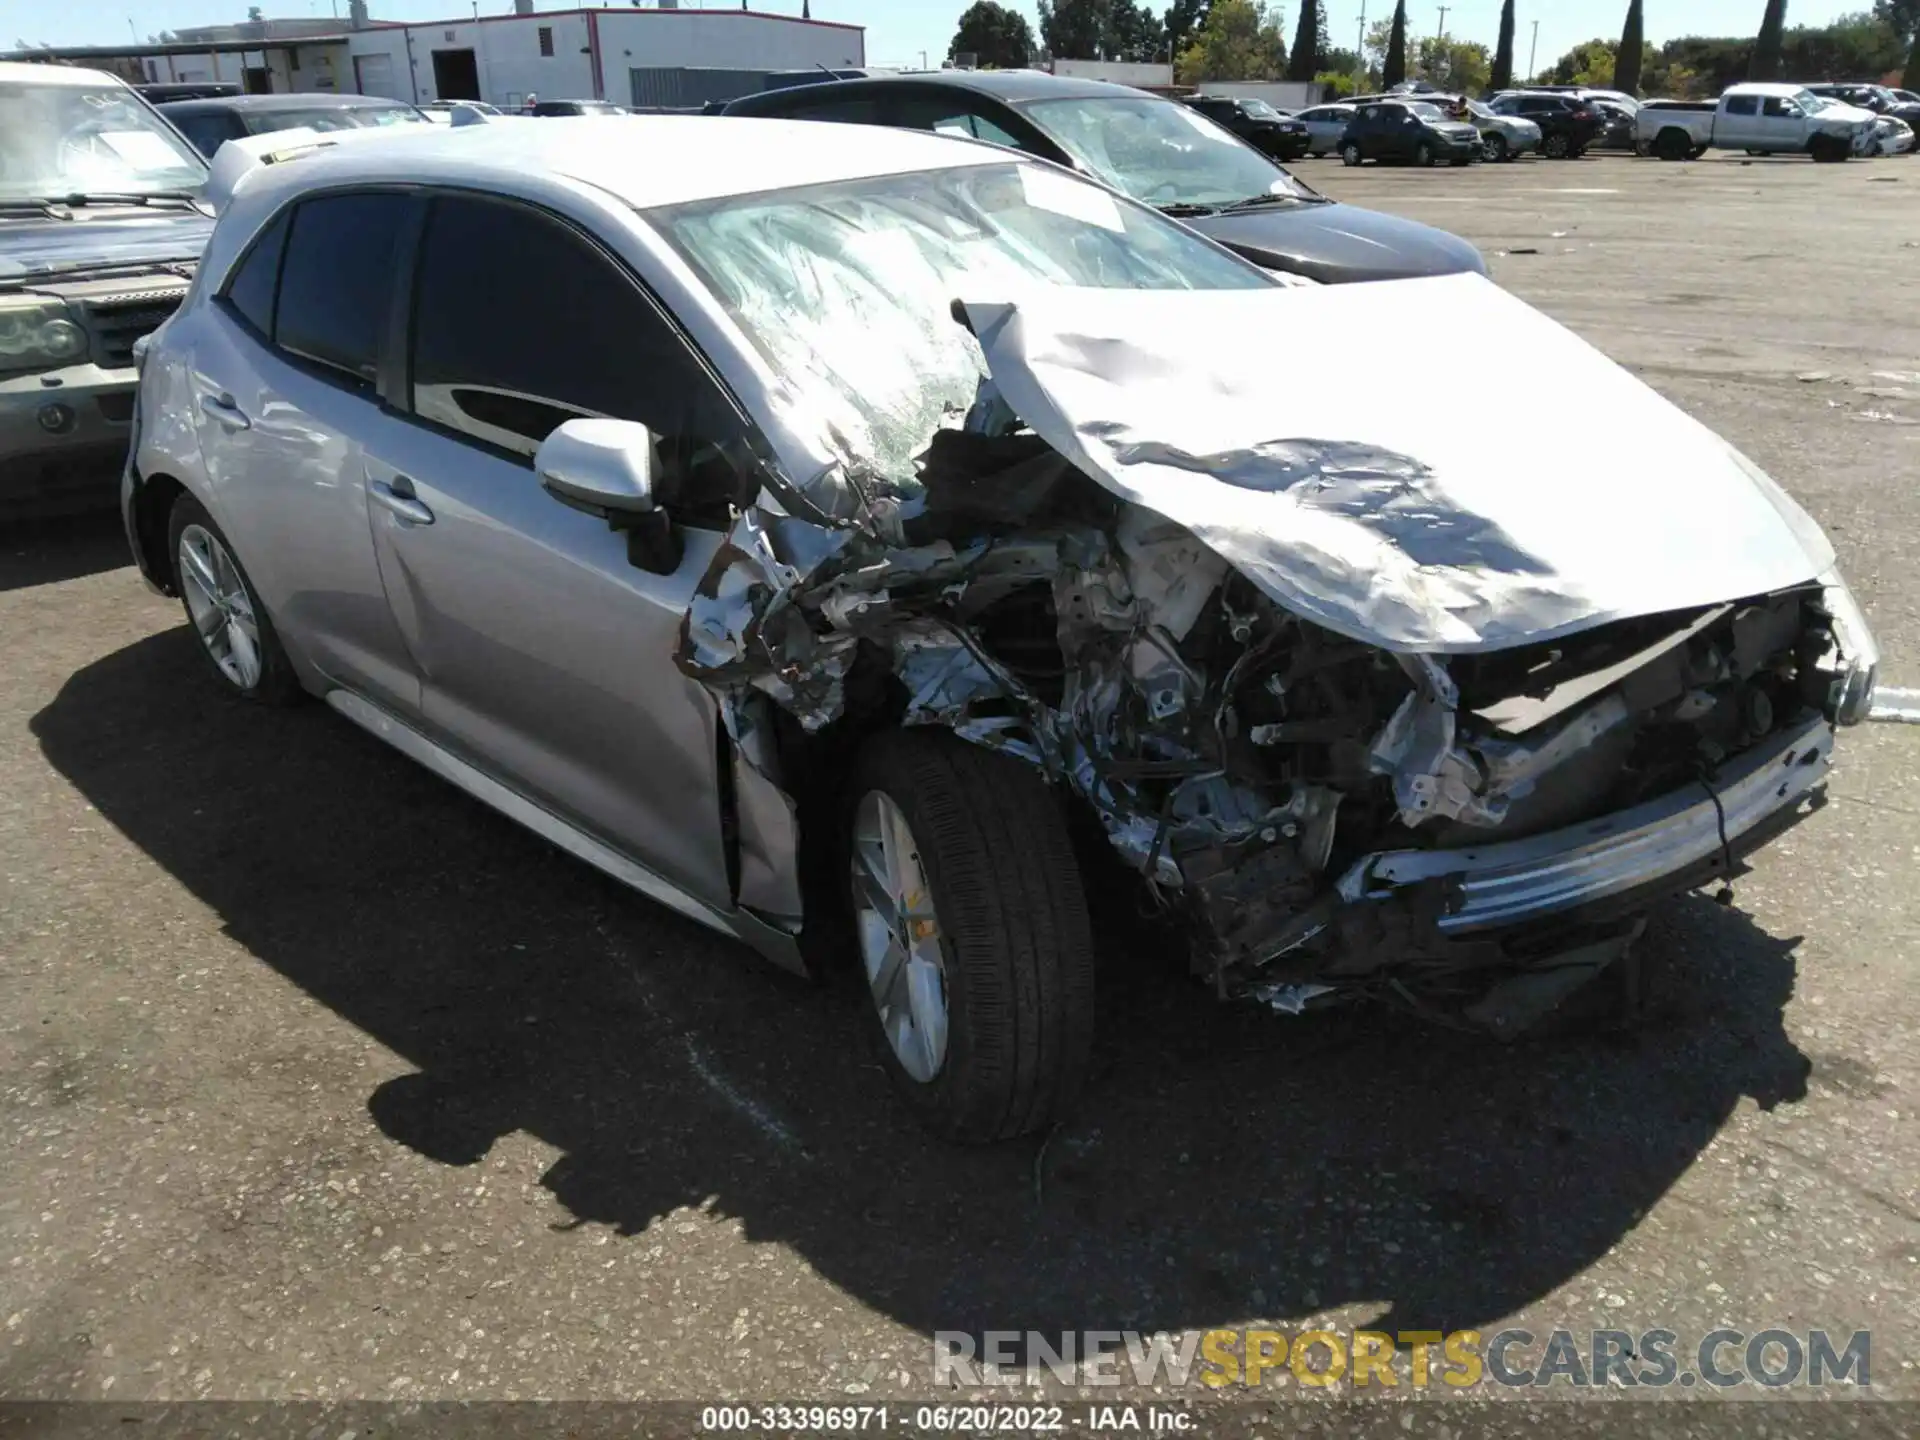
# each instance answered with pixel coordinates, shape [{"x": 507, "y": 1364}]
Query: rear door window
[
  {"x": 1743, "y": 105},
  {"x": 336, "y": 281},
  {"x": 255, "y": 281}
]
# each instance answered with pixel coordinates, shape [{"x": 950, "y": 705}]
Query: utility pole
[
  {"x": 1442, "y": 34},
  {"x": 1533, "y": 55}
]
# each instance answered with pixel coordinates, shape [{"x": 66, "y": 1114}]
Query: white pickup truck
[{"x": 1760, "y": 119}]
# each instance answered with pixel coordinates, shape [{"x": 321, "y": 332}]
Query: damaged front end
[{"x": 1472, "y": 831}]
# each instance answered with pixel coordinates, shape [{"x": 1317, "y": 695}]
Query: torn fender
[{"x": 1393, "y": 510}]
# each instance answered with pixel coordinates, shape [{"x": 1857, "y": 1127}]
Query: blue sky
[{"x": 898, "y": 30}]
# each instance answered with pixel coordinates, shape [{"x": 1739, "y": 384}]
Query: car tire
[
  {"x": 1672, "y": 144},
  {"x": 1697, "y": 152},
  {"x": 1423, "y": 155},
  {"x": 982, "y": 838},
  {"x": 1556, "y": 147},
  {"x": 1350, "y": 155},
  {"x": 1497, "y": 148},
  {"x": 1828, "y": 150},
  {"x": 224, "y": 611}
]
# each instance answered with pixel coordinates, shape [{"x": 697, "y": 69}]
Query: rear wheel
[
  {"x": 227, "y": 617},
  {"x": 1556, "y": 147},
  {"x": 1350, "y": 154},
  {"x": 1673, "y": 144},
  {"x": 973, "y": 934}
]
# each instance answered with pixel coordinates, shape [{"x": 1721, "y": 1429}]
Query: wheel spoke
[
  {"x": 927, "y": 1000},
  {"x": 885, "y": 980},
  {"x": 245, "y": 652},
  {"x": 870, "y": 884},
  {"x": 197, "y": 567}
]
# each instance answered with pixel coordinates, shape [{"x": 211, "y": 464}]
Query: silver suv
[{"x": 857, "y": 546}]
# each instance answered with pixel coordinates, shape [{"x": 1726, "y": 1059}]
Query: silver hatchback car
[{"x": 813, "y": 533}]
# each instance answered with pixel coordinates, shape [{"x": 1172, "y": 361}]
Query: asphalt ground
[{"x": 320, "y": 1081}]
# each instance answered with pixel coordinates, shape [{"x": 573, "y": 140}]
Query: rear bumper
[
  {"x": 1659, "y": 847},
  {"x": 63, "y": 436}
]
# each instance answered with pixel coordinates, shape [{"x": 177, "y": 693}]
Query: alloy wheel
[
  {"x": 221, "y": 609},
  {"x": 899, "y": 934}
]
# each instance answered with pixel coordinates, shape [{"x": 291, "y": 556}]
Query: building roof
[{"x": 644, "y": 160}]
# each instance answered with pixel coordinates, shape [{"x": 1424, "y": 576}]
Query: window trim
[{"x": 404, "y": 329}]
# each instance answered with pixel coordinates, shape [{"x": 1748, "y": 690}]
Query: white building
[
  {"x": 673, "y": 55},
  {"x": 589, "y": 54}
]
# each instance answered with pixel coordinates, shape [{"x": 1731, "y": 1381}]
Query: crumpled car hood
[{"x": 1381, "y": 500}]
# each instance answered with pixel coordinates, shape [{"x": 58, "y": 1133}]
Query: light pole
[
  {"x": 1360, "y": 49},
  {"x": 1533, "y": 55}
]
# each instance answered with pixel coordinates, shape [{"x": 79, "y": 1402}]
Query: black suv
[
  {"x": 1410, "y": 130},
  {"x": 1257, "y": 123},
  {"x": 1568, "y": 124}
]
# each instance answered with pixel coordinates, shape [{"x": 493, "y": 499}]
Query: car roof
[
  {"x": 21, "y": 72},
  {"x": 1012, "y": 86},
  {"x": 1762, "y": 87},
  {"x": 267, "y": 104},
  {"x": 647, "y": 160}
]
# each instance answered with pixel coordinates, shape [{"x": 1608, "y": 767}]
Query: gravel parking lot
[{"x": 319, "y": 1080}]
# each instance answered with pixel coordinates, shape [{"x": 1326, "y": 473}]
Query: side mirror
[{"x": 605, "y": 468}]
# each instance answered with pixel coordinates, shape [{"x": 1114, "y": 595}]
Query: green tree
[
  {"x": 1501, "y": 77},
  {"x": 1394, "y": 71},
  {"x": 1767, "y": 48},
  {"x": 1450, "y": 64},
  {"x": 1308, "y": 36},
  {"x": 1338, "y": 82},
  {"x": 1589, "y": 63},
  {"x": 1632, "y": 55},
  {"x": 1135, "y": 33},
  {"x": 1183, "y": 19},
  {"x": 1901, "y": 16},
  {"x": 1240, "y": 41},
  {"x": 998, "y": 38},
  {"x": 1076, "y": 29}
]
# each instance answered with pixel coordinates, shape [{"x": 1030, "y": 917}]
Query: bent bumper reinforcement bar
[{"x": 1523, "y": 880}]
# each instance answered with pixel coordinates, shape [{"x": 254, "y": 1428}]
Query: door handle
[
  {"x": 220, "y": 408},
  {"x": 399, "y": 498}
]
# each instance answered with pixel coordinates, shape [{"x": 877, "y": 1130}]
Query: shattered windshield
[
  {"x": 61, "y": 140},
  {"x": 847, "y": 289},
  {"x": 1161, "y": 152}
]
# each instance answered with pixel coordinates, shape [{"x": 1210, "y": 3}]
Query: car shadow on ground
[
  {"x": 44, "y": 552},
  {"x": 1227, "y": 1164}
]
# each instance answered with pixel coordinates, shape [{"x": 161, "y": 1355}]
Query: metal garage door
[
  {"x": 683, "y": 87},
  {"x": 373, "y": 75}
]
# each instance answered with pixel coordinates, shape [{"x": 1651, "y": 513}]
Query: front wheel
[
  {"x": 1423, "y": 155},
  {"x": 1350, "y": 155},
  {"x": 231, "y": 624},
  {"x": 1496, "y": 148},
  {"x": 973, "y": 934}
]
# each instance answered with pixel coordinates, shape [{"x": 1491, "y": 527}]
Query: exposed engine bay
[{"x": 1239, "y": 758}]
